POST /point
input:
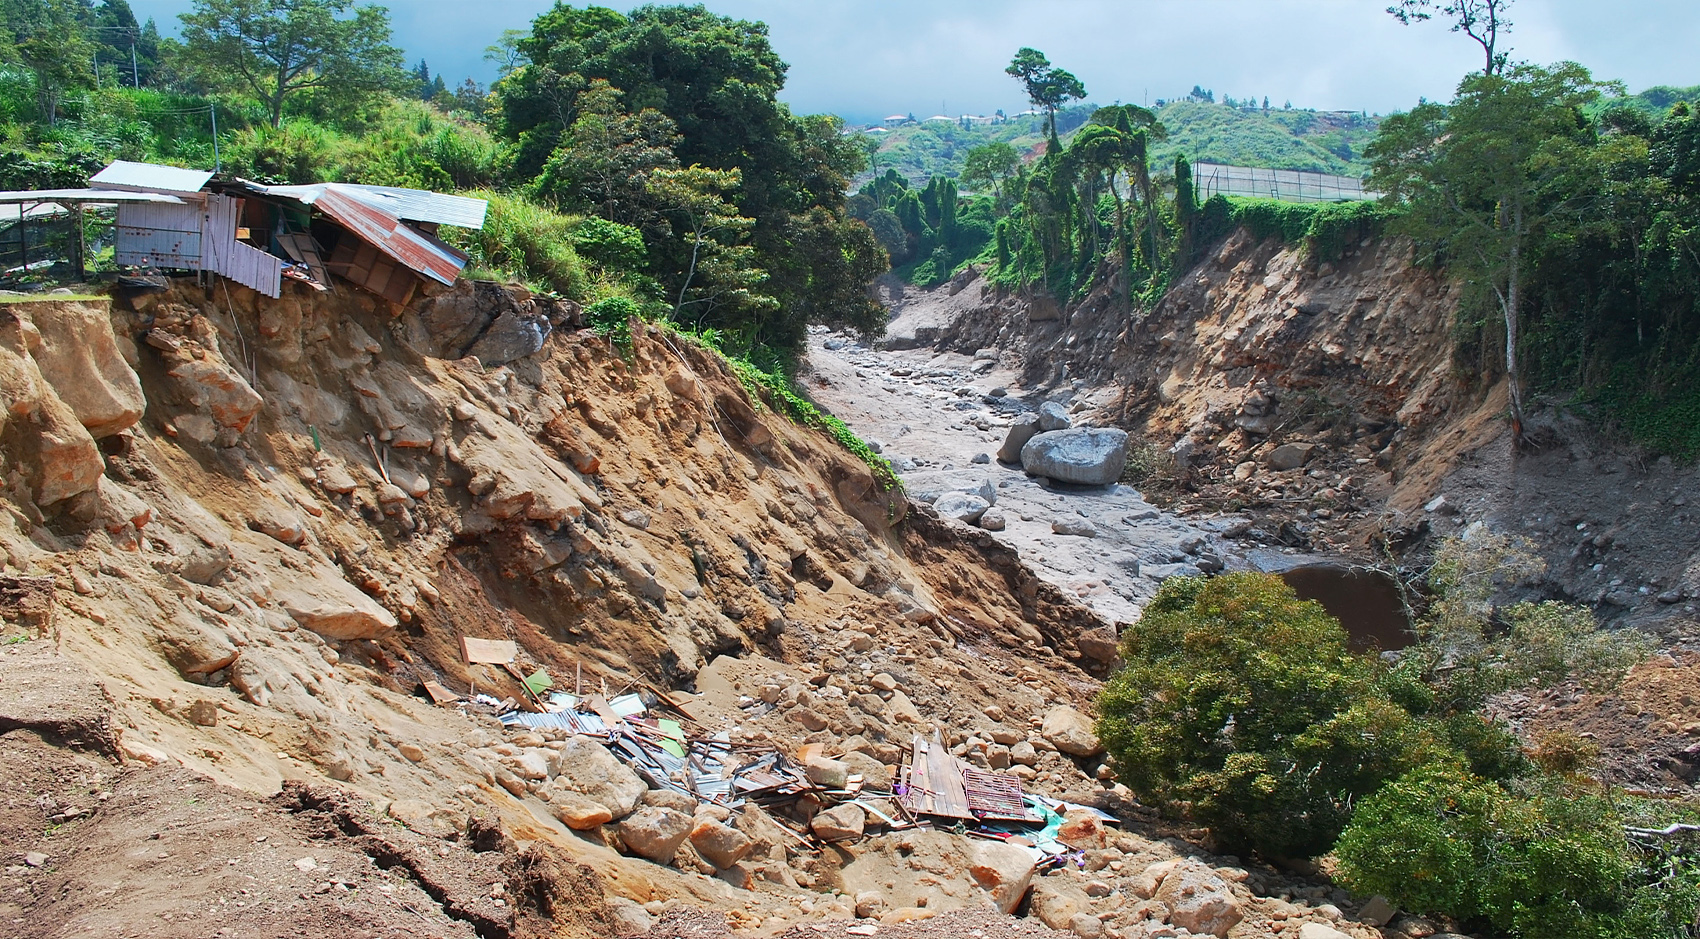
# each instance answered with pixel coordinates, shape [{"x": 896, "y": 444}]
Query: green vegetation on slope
[
  {"x": 1241, "y": 707},
  {"x": 1290, "y": 139}
]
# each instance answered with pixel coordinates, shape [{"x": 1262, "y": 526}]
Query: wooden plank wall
[{"x": 240, "y": 262}]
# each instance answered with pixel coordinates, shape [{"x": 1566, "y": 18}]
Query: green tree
[
  {"x": 1481, "y": 20},
  {"x": 46, "y": 38},
  {"x": 604, "y": 162},
  {"x": 717, "y": 79},
  {"x": 272, "y": 49},
  {"x": 720, "y": 276},
  {"x": 1047, "y": 87},
  {"x": 988, "y": 165},
  {"x": 1482, "y": 176},
  {"x": 1242, "y": 702}
]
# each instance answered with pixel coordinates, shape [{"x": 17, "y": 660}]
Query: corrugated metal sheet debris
[
  {"x": 353, "y": 209},
  {"x": 123, "y": 174},
  {"x": 418, "y": 205}
]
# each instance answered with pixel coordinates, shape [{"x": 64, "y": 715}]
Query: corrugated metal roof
[
  {"x": 123, "y": 174},
  {"x": 419, "y": 205},
  {"x": 354, "y": 208},
  {"x": 85, "y": 195}
]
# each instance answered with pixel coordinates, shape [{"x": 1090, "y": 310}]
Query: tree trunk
[{"x": 1513, "y": 294}]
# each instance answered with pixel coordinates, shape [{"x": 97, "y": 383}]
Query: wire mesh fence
[{"x": 1286, "y": 185}]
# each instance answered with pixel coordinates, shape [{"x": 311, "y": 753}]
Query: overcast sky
[{"x": 864, "y": 59}]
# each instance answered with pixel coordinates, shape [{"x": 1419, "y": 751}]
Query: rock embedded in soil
[
  {"x": 993, "y": 519},
  {"x": 1087, "y": 456},
  {"x": 586, "y": 767},
  {"x": 1070, "y": 731},
  {"x": 655, "y": 833}
]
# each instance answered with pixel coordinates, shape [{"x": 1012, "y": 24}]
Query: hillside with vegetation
[{"x": 1202, "y": 131}]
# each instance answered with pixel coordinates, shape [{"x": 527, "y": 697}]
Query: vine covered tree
[
  {"x": 274, "y": 49},
  {"x": 1481, "y": 20},
  {"x": 1047, "y": 86}
]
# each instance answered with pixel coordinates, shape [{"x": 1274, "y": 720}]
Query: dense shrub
[
  {"x": 1241, "y": 705},
  {"x": 1538, "y": 858}
]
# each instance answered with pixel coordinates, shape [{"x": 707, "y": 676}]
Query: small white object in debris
[{"x": 306, "y": 864}]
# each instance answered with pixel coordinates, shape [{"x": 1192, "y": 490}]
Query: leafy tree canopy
[{"x": 273, "y": 49}]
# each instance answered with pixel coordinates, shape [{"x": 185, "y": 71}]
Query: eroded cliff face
[
  {"x": 262, "y": 526},
  {"x": 1317, "y": 406}
]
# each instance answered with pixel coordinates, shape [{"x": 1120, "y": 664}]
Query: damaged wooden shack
[{"x": 382, "y": 239}]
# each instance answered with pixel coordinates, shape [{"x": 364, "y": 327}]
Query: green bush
[
  {"x": 1537, "y": 859},
  {"x": 609, "y": 244},
  {"x": 1241, "y": 706},
  {"x": 612, "y": 316}
]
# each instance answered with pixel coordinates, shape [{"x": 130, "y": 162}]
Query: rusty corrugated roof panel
[
  {"x": 353, "y": 208},
  {"x": 419, "y": 205},
  {"x": 390, "y": 235},
  {"x": 123, "y": 174}
]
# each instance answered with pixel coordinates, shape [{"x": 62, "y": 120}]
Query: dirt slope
[{"x": 260, "y": 526}]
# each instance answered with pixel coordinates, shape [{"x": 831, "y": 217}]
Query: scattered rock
[
  {"x": 1022, "y": 430},
  {"x": 993, "y": 519},
  {"x": 840, "y": 823},
  {"x": 1377, "y": 911},
  {"x": 1289, "y": 456},
  {"x": 720, "y": 844},
  {"x": 655, "y": 833},
  {"x": 1074, "y": 525},
  {"x": 1053, "y": 416},
  {"x": 1199, "y": 900},
  {"x": 1004, "y": 871},
  {"x": 962, "y": 506},
  {"x": 1093, "y": 456},
  {"x": 1052, "y": 906},
  {"x": 579, "y": 812},
  {"x": 1070, "y": 731},
  {"x": 980, "y": 458},
  {"x": 1319, "y": 931},
  {"x": 35, "y": 858},
  {"x": 586, "y": 767}
]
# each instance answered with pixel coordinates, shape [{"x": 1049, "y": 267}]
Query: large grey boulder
[
  {"x": 1053, "y": 416},
  {"x": 1091, "y": 456},
  {"x": 1020, "y": 432},
  {"x": 962, "y": 506}
]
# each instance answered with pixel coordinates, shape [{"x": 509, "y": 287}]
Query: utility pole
[
  {"x": 135, "y": 73},
  {"x": 216, "y": 164}
]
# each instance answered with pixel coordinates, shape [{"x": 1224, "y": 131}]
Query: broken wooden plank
[
  {"x": 488, "y": 651},
  {"x": 440, "y": 695}
]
